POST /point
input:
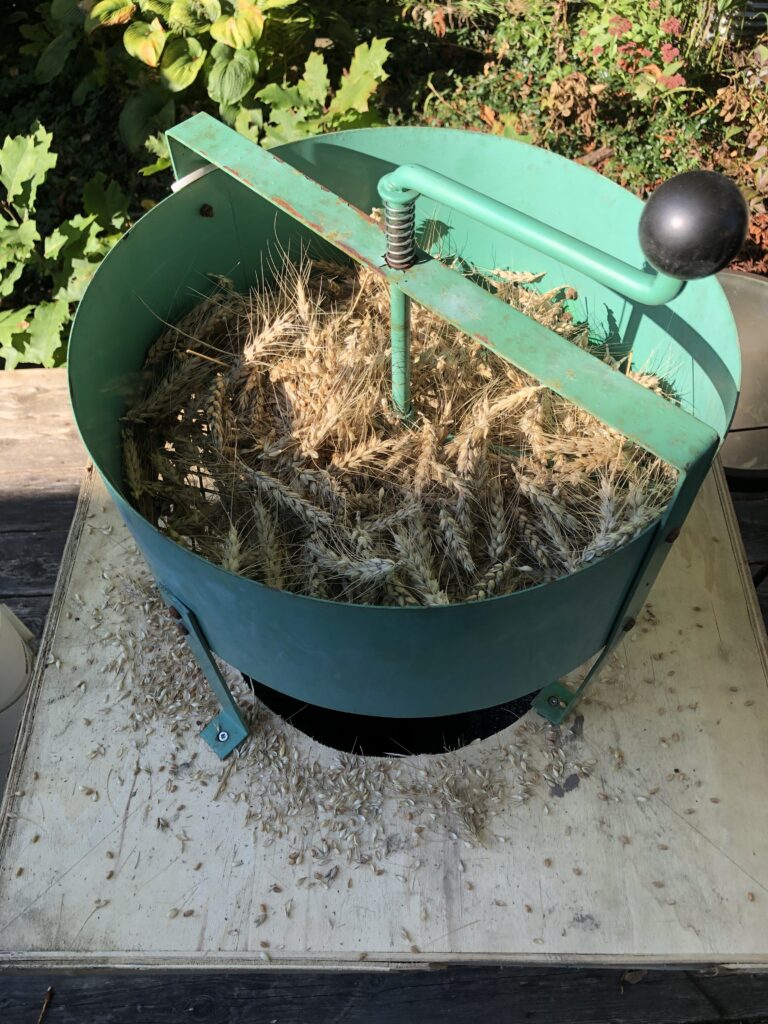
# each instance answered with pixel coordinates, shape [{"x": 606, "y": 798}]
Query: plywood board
[{"x": 638, "y": 835}]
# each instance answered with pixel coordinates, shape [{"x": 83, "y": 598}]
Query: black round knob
[{"x": 693, "y": 225}]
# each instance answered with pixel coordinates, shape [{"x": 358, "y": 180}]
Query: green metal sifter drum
[{"x": 645, "y": 269}]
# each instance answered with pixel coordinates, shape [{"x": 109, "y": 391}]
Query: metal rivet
[
  {"x": 554, "y": 702},
  {"x": 223, "y": 736},
  {"x": 206, "y": 210},
  {"x": 629, "y": 624}
]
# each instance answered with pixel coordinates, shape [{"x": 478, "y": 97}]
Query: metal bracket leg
[
  {"x": 228, "y": 729},
  {"x": 556, "y": 701}
]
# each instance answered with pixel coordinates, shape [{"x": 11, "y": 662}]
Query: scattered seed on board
[
  {"x": 188, "y": 913},
  {"x": 36, "y": 837},
  {"x": 173, "y": 912},
  {"x": 19, "y": 872},
  {"x": 453, "y": 797}
]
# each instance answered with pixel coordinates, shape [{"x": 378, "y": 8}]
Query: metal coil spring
[{"x": 400, "y": 230}]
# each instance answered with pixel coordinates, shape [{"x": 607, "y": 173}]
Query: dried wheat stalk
[{"x": 264, "y": 440}]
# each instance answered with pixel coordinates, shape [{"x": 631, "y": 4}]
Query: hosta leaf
[
  {"x": 43, "y": 336},
  {"x": 193, "y": 16},
  {"x": 149, "y": 111},
  {"x": 106, "y": 200},
  {"x": 161, "y": 7},
  {"x": 240, "y": 29},
  {"x": 24, "y": 162},
  {"x": 54, "y": 57},
  {"x": 228, "y": 113},
  {"x": 365, "y": 73},
  {"x": 232, "y": 75},
  {"x": 314, "y": 84},
  {"x": 13, "y": 327},
  {"x": 181, "y": 62},
  {"x": 145, "y": 41},
  {"x": 67, "y": 12},
  {"x": 110, "y": 12}
]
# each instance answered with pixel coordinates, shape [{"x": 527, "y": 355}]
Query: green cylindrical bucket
[{"x": 381, "y": 660}]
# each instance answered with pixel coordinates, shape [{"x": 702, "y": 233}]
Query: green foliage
[
  {"x": 147, "y": 112},
  {"x": 24, "y": 163},
  {"x": 303, "y": 109},
  {"x": 642, "y": 84},
  {"x": 109, "y": 78},
  {"x": 57, "y": 265},
  {"x": 145, "y": 41},
  {"x": 234, "y": 53}
]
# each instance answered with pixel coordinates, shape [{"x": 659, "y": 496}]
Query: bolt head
[
  {"x": 222, "y": 736},
  {"x": 554, "y": 702}
]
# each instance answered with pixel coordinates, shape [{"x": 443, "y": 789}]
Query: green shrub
[
  {"x": 50, "y": 270},
  {"x": 108, "y": 78}
]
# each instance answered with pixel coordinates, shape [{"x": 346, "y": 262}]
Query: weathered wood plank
[
  {"x": 39, "y": 445},
  {"x": 753, "y": 522},
  {"x": 39, "y": 510},
  {"x": 29, "y": 561},
  {"x": 533, "y": 995},
  {"x": 42, "y": 461}
]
